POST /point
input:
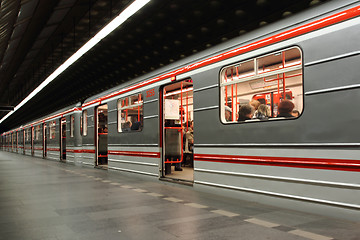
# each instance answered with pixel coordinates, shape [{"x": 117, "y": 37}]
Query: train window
[
  {"x": 28, "y": 134},
  {"x": 52, "y": 129},
  {"x": 37, "y": 132},
  {"x": 262, "y": 88},
  {"x": 130, "y": 113},
  {"x": 84, "y": 122},
  {"x": 72, "y": 122}
]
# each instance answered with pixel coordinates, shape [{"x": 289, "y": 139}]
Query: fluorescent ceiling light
[{"x": 116, "y": 22}]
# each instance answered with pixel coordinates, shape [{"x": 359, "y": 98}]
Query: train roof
[{"x": 310, "y": 15}]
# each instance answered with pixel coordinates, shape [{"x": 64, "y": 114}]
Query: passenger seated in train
[
  {"x": 255, "y": 104},
  {"x": 228, "y": 112},
  {"x": 136, "y": 126},
  {"x": 126, "y": 127},
  {"x": 262, "y": 113},
  {"x": 285, "y": 108},
  {"x": 246, "y": 112},
  {"x": 295, "y": 113}
]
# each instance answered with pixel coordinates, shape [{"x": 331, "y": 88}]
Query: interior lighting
[
  {"x": 116, "y": 22},
  {"x": 179, "y": 91}
]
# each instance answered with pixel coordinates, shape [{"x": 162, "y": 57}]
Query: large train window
[
  {"x": 37, "y": 132},
  {"x": 262, "y": 88},
  {"x": 52, "y": 129},
  {"x": 28, "y": 135},
  {"x": 130, "y": 113},
  {"x": 83, "y": 123},
  {"x": 72, "y": 122}
]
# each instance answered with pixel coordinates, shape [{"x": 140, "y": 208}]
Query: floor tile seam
[{"x": 255, "y": 221}]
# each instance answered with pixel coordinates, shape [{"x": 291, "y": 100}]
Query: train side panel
[
  {"x": 306, "y": 163},
  {"x": 135, "y": 151}
]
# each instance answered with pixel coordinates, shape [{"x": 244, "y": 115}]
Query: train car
[
  {"x": 306, "y": 161},
  {"x": 198, "y": 121},
  {"x": 61, "y": 138},
  {"x": 114, "y": 136}
]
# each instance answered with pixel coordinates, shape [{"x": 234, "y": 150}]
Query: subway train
[{"x": 182, "y": 123}]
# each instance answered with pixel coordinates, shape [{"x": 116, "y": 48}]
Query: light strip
[{"x": 116, "y": 22}]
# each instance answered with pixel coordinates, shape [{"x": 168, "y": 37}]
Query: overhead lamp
[{"x": 116, "y": 22}]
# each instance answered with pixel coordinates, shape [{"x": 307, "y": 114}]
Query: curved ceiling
[{"x": 37, "y": 36}]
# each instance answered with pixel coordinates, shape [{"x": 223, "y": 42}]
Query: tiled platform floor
[{"x": 43, "y": 199}]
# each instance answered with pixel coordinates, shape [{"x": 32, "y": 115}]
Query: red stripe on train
[
  {"x": 136, "y": 154},
  {"x": 316, "y": 163},
  {"x": 53, "y": 149},
  {"x": 122, "y": 153}
]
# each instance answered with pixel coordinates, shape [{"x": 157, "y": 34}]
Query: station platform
[{"x": 44, "y": 199}]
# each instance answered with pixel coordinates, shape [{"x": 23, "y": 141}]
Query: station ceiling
[{"x": 37, "y": 36}]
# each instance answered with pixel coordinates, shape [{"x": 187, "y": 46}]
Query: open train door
[
  {"x": 101, "y": 136},
  {"x": 44, "y": 139},
  {"x": 176, "y": 131},
  {"x": 32, "y": 141},
  {"x": 63, "y": 139}
]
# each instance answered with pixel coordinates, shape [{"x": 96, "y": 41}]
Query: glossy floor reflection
[{"x": 43, "y": 199}]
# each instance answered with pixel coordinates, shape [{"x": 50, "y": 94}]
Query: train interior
[
  {"x": 178, "y": 131},
  {"x": 265, "y": 80},
  {"x": 102, "y": 136}
]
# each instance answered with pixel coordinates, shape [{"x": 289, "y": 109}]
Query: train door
[
  {"x": 63, "y": 139},
  {"x": 177, "y": 134},
  {"x": 101, "y": 136},
  {"x": 32, "y": 141},
  {"x": 17, "y": 141},
  {"x": 24, "y": 139},
  {"x": 12, "y": 142},
  {"x": 44, "y": 139}
]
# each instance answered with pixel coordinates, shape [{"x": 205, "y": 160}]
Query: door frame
[{"x": 162, "y": 144}]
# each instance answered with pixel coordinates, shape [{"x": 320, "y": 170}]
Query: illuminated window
[
  {"x": 28, "y": 134},
  {"x": 84, "y": 122},
  {"x": 52, "y": 129},
  {"x": 269, "y": 86},
  {"x": 37, "y": 132},
  {"x": 72, "y": 122},
  {"x": 130, "y": 113}
]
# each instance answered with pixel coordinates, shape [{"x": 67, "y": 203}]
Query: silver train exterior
[{"x": 309, "y": 163}]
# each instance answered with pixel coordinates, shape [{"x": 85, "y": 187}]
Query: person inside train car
[
  {"x": 255, "y": 104},
  {"x": 262, "y": 101},
  {"x": 126, "y": 127},
  {"x": 295, "y": 113},
  {"x": 285, "y": 108},
  {"x": 228, "y": 112},
  {"x": 136, "y": 126},
  {"x": 246, "y": 112},
  {"x": 262, "y": 113},
  {"x": 188, "y": 144}
]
